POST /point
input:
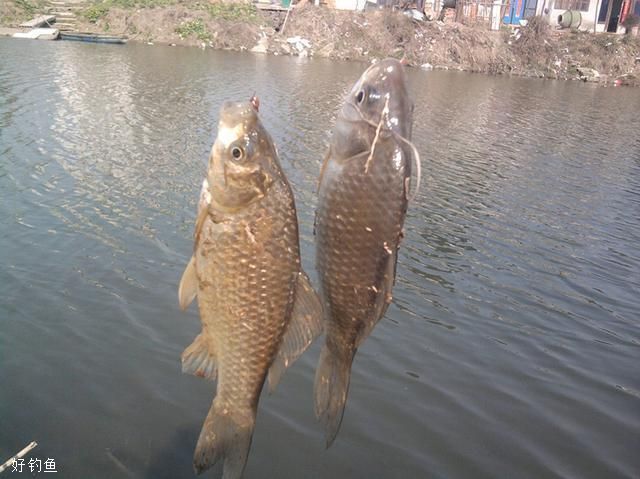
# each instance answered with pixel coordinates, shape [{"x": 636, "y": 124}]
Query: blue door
[{"x": 514, "y": 12}]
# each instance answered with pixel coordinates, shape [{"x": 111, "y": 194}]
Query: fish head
[
  {"x": 241, "y": 166},
  {"x": 378, "y": 102}
]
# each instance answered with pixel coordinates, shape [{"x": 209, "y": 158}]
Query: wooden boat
[{"x": 92, "y": 37}]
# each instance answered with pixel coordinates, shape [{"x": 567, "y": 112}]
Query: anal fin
[
  {"x": 199, "y": 358},
  {"x": 305, "y": 325}
]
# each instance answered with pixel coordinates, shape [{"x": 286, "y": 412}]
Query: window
[{"x": 580, "y": 5}]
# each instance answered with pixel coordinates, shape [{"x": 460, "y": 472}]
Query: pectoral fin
[
  {"x": 323, "y": 167},
  {"x": 305, "y": 325},
  {"x": 203, "y": 212},
  {"x": 188, "y": 285}
]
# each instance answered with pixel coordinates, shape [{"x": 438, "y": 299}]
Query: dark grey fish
[
  {"x": 363, "y": 196},
  {"x": 257, "y": 307}
]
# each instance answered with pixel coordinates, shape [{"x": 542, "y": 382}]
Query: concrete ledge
[{"x": 8, "y": 32}]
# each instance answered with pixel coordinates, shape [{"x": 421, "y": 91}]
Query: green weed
[
  {"x": 26, "y": 6},
  {"x": 233, "y": 11},
  {"x": 96, "y": 12},
  {"x": 100, "y": 8},
  {"x": 193, "y": 27}
]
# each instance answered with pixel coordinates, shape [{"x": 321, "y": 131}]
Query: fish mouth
[
  {"x": 237, "y": 181},
  {"x": 236, "y": 118}
]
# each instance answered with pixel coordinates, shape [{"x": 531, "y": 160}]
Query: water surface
[{"x": 512, "y": 347}]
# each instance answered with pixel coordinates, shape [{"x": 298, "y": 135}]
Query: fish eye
[
  {"x": 360, "y": 97},
  {"x": 237, "y": 153}
]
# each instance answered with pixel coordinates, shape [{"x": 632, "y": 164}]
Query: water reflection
[{"x": 515, "y": 309}]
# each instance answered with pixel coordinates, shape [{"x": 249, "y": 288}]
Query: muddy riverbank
[{"x": 536, "y": 50}]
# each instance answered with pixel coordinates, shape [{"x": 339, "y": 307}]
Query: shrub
[
  {"x": 96, "y": 11},
  {"x": 233, "y": 11},
  {"x": 193, "y": 27},
  {"x": 25, "y": 5}
]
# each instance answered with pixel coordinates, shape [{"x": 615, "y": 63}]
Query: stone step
[
  {"x": 66, "y": 12},
  {"x": 62, "y": 8},
  {"x": 58, "y": 11},
  {"x": 60, "y": 18},
  {"x": 67, "y": 6}
]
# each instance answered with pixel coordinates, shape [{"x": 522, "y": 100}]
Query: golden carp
[
  {"x": 257, "y": 307},
  {"x": 362, "y": 200}
]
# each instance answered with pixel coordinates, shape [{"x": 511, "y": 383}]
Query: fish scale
[
  {"x": 233, "y": 289},
  {"x": 362, "y": 202},
  {"x": 257, "y": 308},
  {"x": 349, "y": 253}
]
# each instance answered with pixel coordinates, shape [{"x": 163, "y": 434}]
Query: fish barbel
[
  {"x": 362, "y": 200},
  {"x": 257, "y": 307}
]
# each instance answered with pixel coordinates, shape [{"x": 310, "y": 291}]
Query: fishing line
[
  {"x": 415, "y": 156},
  {"x": 385, "y": 113}
]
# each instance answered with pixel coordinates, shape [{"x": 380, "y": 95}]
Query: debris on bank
[
  {"x": 301, "y": 46},
  {"x": 533, "y": 50}
]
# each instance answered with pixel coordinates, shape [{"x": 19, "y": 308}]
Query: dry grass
[
  {"x": 14, "y": 12},
  {"x": 535, "y": 51},
  {"x": 532, "y": 48},
  {"x": 178, "y": 24}
]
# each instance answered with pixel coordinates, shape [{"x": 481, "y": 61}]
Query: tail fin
[
  {"x": 225, "y": 435},
  {"x": 330, "y": 389}
]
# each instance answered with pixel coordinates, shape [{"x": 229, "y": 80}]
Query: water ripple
[{"x": 511, "y": 345}]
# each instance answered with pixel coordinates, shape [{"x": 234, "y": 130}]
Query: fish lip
[{"x": 238, "y": 116}]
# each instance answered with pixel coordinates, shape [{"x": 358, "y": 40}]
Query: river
[{"x": 511, "y": 349}]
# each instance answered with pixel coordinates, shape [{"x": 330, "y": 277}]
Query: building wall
[{"x": 588, "y": 18}]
